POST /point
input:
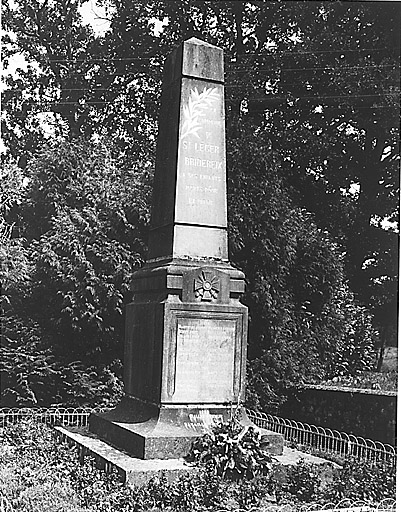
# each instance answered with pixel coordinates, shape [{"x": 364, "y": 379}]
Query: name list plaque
[{"x": 205, "y": 360}]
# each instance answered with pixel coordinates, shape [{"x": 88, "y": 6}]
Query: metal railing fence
[
  {"x": 326, "y": 440},
  {"x": 69, "y": 416},
  {"x": 321, "y": 439},
  {"x": 387, "y": 505}
]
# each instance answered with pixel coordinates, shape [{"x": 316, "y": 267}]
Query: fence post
[{"x": 326, "y": 440}]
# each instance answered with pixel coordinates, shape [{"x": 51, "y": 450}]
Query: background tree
[
  {"x": 341, "y": 151},
  {"x": 83, "y": 218},
  {"x": 311, "y": 87},
  {"x": 76, "y": 83},
  {"x": 305, "y": 324}
]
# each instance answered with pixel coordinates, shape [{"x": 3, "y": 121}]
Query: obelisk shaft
[
  {"x": 189, "y": 213},
  {"x": 186, "y": 330}
]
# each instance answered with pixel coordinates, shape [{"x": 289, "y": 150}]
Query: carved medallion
[{"x": 207, "y": 286}]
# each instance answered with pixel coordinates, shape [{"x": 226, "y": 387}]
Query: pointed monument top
[
  {"x": 202, "y": 60},
  {"x": 195, "y": 59},
  {"x": 195, "y": 40},
  {"x": 189, "y": 213}
]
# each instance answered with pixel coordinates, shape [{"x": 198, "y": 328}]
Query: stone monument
[{"x": 186, "y": 330}]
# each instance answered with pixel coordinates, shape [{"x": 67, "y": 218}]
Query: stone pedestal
[
  {"x": 186, "y": 334},
  {"x": 185, "y": 357},
  {"x": 148, "y": 432},
  {"x": 186, "y": 330},
  {"x": 136, "y": 472}
]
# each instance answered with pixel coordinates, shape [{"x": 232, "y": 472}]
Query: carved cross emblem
[{"x": 207, "y": 286}]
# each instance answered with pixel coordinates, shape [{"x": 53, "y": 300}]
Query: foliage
[
  {"x": 31, "y": 373},
  {"x": 305, "y": 324},
  {"x": 63, "y": 329},
  {"x": 233, "y": 451},
  {"x": 27, "y": 369},
  {"x": 367, "y": 380},
  {"x": 211, "y": 487},
  {"x": 74, "y": 82},
  {"x": 15, "y": 265},
  {"x": 38, "y": 472},
  {"x": 344, "y": 171},
  {"x": 312, "y": 126},
  {"x": 34, "y": 469},
  {"x": 358, "y": 481},
  {"x": 302, "y": 482}
]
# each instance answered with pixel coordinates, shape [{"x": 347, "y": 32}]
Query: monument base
[
  {"x": 147, "y": 431},
  {"x": 131, "y": 470},
  {"x": 136, "y": 472}
]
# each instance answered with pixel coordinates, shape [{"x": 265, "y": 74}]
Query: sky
[{"x": 94, "y": 15}]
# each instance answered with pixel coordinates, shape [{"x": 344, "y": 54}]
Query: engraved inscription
[
  {"x": 209, "y": 164},
  {"x": 203, "y": 421},
  {"x": 205, "y": 360},
  {"x": 201, "y": 158}
]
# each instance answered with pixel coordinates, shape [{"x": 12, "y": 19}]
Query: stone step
[
  {"x": 136, "y": 472},
  {"x": 149, "y": 432}
]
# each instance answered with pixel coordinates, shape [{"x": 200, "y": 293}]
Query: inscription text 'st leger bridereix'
[{"x": 201, "y": 165}]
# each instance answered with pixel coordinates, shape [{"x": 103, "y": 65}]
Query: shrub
[
  {"x": 37, "y": 472},
  {"x": 34, "y": 470},
  {"x": 211, "y": 487},
  {"x": 234, "y": 451},
  {"x": 79, "y": 218},
  {"x": 250, "y": 493},
  {"x": 303, "y": 483},
  {"x": 362, "y": 481}
]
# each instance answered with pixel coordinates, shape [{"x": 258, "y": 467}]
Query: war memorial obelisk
[{"x": 186, "y": 330}]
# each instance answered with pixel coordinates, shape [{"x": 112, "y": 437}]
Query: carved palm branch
[{"x": 198, "y": 103}]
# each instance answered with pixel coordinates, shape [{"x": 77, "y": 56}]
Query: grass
[
  {"x": 31, "y": 480},
  {"x": 38, "y": 473},
  {"x": 378, "y": 381}
]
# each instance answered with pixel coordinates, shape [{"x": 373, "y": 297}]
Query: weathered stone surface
[
  {"x": 204, "y": 359},
  {"x": 201, "y": 338},
  {"x": 135, "y": 471},
  {"x": 149, "y": 432},
  {"x": 203, "y": 60},
  {"x": 189, "y": 215},
  {"x": 370, "y": 414},
  {"x": 194, "y": 58},
  {"x": 132, "y": 470},
  {"x": 201, "y": 183},
  {"x": 193, "y": 352},
  {"x": 186, "y": 330},
  {"x": 163, "y": 278}
]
